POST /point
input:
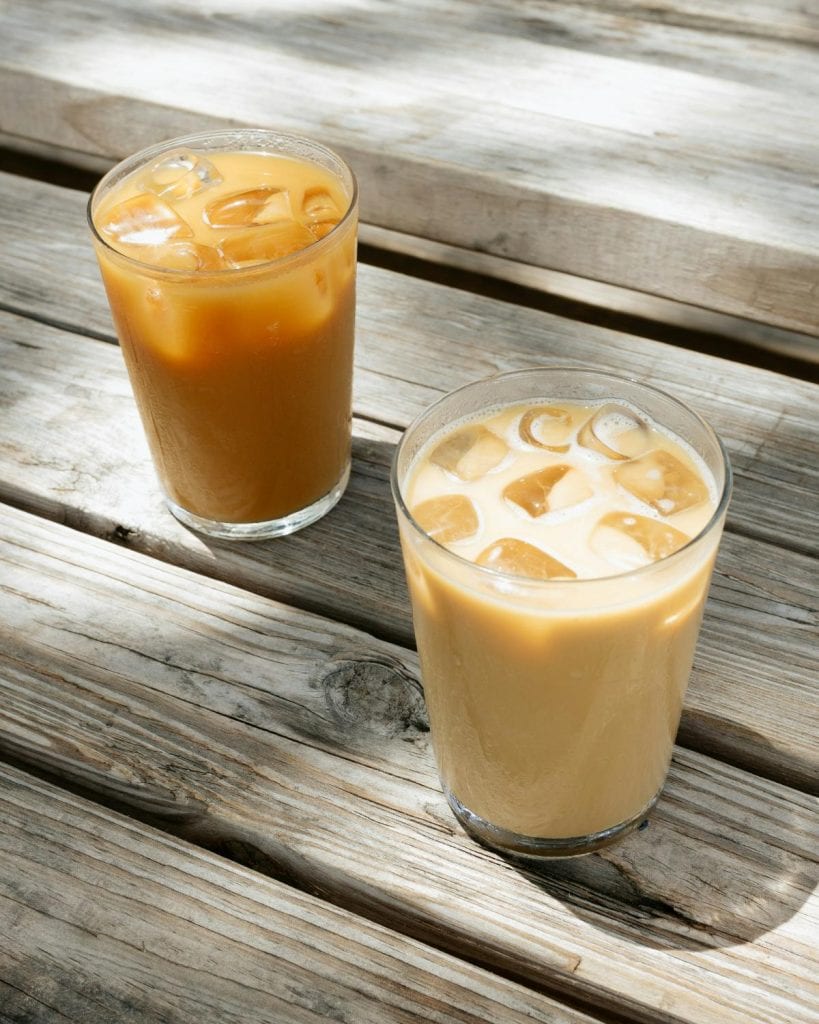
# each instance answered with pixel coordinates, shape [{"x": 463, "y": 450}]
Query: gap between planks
[
  {"x": 671, "y": 186},
  {"x": 702, "y": 330},
  {"x": 740, "y": 529}
]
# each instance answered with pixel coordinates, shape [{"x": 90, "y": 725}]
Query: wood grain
[
  {"x": 295, "y": 744},
  {"x": 684, "y": 325},
  {"x": 104, "y": 920},
  {"x": 662, "y": 147},
  {"x": 72, "y": 449},
  {"x": 416, "y": 340}
]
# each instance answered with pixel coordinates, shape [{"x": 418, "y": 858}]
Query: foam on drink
[{"x": 598, "y": 489}]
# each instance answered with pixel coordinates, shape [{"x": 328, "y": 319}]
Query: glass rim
[
  {"x": 489, "y": 574},
  {"x": 142, "y": 157}
]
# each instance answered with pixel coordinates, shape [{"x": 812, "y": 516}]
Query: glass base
[
  {"x": 534, "y": 846},
  {"x": 269, "y": 528}
]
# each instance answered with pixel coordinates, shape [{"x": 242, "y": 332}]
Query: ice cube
[
  {"x": 143, "y": 219},
  {"x": 318, "y": 206},
  {"x": 265, "y": 242},
  {"x": 320, "y": 211},
  {"x": 661, "y": 480},
  {"x": 470, "y": 453},
  {"x": 616, "y": 432},
  {"x": 322, "y": 228},
  {"x": 448, "y": 518},
  {"x": 548, "y": 489},
  {"x": 570, "y": 490},
  {"x": 265, "y": 205},
  {"x": 186, "y": 255},
  {"x": 521, "y": 559},
  {"x": 546, "y": 426},
  {"x": 179, "y": 176},
  {"x": 316, "y": 302},
  {"x": 628, "y": 541}
]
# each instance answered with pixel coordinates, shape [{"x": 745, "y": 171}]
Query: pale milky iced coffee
[{"x": 558, "y": 553}]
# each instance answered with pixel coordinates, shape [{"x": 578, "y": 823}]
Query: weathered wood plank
[
  {"x": 297, "y": 744},
  {"x": 706, "y": 36},
  {"x": 676, "y": 159},
  {"x": 104, "y": 920},
  {"x": 691, "y": 327},
  {"x": 72, "y": 449},
  {"x": 418, "y": 340}
]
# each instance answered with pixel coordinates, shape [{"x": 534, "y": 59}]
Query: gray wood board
[
  {"x": 599, "y": 302},
  {"x": 666, "y": 148},
  {"x": 103, "y": 920},
  {"x": 417, "y": 340},
  {"x": 298, "y": 744},
  {"x": 72, "y": 449}
]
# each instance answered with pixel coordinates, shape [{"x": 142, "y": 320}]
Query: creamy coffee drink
[{"x": 557, "y": 590}]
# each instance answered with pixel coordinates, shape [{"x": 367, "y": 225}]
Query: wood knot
[{"x": 375, "y": 695}]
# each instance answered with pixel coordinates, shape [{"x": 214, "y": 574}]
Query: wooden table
[{"x": 217, "y": 798}]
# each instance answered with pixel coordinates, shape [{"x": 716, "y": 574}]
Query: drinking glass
[
  {"x": 238, "y": 340},
  {"x": 554, "y": 704}
]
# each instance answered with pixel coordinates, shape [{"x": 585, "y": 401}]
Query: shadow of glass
[
  {"x": 724, "y": 859},
  {"x": 346, "y": 566}
]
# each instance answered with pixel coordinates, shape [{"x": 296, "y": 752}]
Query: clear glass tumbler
[
  {"x": 554, "y": 704},
  {"x": 234, "y": 302}
]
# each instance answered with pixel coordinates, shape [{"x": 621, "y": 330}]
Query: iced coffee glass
[
  {"x": 559, "y": 529},
  {"x": 229, "y": 263}
]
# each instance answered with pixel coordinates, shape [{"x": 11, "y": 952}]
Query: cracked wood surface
[
  {"x": 72, "y": 449},
  {"x": 104, "y": 919},
  {"x": 664, "y": 147},
  {"x": 264, "y": 733}
]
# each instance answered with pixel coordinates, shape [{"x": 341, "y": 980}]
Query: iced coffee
[
  {"x": 229, "y": 263},
  {"x": 559, "y": 530}
]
